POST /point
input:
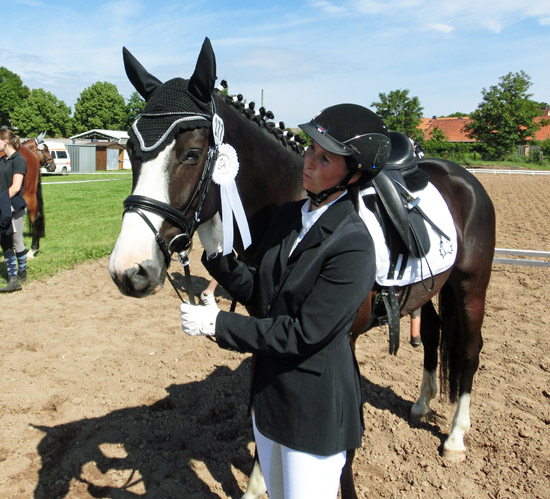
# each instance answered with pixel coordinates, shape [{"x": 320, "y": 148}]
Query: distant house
[
  {"x": 544, "y": 132},
  {"x": 99, "y": 150},
  {"x": 453, "y": 128},
  {"x": 96, "y": 135}
]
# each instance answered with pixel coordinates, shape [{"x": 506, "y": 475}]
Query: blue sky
[{"x": 303, "y": 55}]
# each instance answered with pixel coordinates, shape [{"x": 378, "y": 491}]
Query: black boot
[
  {"x": 22, "y": 274},
  {"x": 13, "y": 285}
]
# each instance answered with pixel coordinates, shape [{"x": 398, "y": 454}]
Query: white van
[{"x": 60, "y": 156}]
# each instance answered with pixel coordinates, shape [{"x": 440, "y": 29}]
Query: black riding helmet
[{"x": 355, "y": 132}]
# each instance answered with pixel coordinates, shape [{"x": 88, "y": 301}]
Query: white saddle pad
[{"x": 442, "y": 252}]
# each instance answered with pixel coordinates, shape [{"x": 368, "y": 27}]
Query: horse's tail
[
  {"x": 39, "y": 225},
  {"x": 449, "y": 346}
]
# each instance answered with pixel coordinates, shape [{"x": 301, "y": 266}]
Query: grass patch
[{"x": 83, "y": 214}]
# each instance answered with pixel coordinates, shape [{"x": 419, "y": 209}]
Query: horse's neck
[{"x": 269, "y": 173}]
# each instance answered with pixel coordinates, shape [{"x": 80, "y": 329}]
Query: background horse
[
  {"x": 270, "y": 173},
  {"x": 33, "y": 189},
  {"x": 42, "y": 152}
]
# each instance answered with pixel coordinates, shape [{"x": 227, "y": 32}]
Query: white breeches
[{"x": 290, "y": 474}]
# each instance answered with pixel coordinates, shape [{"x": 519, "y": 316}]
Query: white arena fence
[
  {"x": 543, "y": 255},
  {"x": 509, "y": 172},
  {"x": 521, "y": 256}
]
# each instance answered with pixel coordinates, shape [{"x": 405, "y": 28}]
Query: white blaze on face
[{"x": 136, "y": 242}]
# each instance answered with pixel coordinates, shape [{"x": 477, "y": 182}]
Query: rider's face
[{"x": 322, "y": 169}]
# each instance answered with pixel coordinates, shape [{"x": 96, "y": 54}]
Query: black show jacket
[{"x": 306, "y": 391}]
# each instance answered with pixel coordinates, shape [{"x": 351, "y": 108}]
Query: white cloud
[
  {"x": 329, "y": 7},
  {"x": 492, "y": 25},
  {"x": 441, "y": 28}
]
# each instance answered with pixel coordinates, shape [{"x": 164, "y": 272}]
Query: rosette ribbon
[{"x": 226, "y": 167}]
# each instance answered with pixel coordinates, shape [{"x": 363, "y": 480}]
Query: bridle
[
  {"x": 45, "y": 160},
  {"x": 183, "y": 242}
]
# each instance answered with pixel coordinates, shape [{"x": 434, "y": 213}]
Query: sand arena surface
[{"x": 104, "y": 396}]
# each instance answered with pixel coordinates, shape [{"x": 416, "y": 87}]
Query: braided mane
[{"x": 261, "y": 117}]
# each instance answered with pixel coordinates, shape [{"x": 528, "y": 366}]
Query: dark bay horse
[{"x": 270, "y": 173}]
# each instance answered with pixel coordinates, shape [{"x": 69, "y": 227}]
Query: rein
[{"x": 177, "y": 218}]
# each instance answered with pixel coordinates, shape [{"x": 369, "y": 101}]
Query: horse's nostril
[{"x": 138, "y": 278}]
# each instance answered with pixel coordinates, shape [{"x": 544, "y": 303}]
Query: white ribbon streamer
[{"x": 225, "y": 171}]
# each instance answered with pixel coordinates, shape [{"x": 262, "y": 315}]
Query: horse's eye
[{"x": 192, "y": 156}]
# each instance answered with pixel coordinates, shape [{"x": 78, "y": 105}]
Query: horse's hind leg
[
  {"x": 470, "y": 299},
  {"x": 429, "y": 327}
]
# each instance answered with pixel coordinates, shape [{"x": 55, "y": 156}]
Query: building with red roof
[{"x": 453, "y": 128}]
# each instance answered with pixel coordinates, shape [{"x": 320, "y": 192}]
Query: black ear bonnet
[{"x": 172, "y": 107}]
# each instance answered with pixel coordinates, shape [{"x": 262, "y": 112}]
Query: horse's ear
[
  {"x": 201, "y": 84},
  {"x": 144, "y": 82},
  {"x": 40, "y": 138}
]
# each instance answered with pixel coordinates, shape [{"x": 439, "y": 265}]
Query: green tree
[
  {"x": 505, "y": 117},
  {"x": 400, "y": 112},
  {"x": 42, "y": 112},
  {"x": 12, "y": 92},
  {"x": 100, "y": 106},
  {"x": 437, "y": 144},
  {"x": 134, "y": 108}
]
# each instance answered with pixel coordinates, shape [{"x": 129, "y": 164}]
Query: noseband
[{"x": 177, "y": 218}]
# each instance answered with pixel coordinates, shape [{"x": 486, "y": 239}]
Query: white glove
[
  {"x": 211, "y": 236},
  {"x": 198, "y": 320}
]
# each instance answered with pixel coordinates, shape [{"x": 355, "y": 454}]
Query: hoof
[
  {"x": 454, "y": 456},
  {"x": 420, "y": 417},
  {"x": 32, "y": 253},
  {"x": 416, "y": 342}
]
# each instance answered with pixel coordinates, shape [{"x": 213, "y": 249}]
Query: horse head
[
  {"x": 39, "y": 147},
  {"x": 169, "y": 152}
]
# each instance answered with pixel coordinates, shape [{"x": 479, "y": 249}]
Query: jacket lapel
[{"x": 325, "y": 226}]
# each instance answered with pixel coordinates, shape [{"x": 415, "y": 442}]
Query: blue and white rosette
[{"x": 224, "y": 173}]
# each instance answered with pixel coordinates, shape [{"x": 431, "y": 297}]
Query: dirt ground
[{"x": 104, "y": 396}]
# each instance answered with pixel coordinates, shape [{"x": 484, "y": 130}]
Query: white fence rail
[
  {"x": 509, "y": 172},
  {"x": 544, "y": 255}
]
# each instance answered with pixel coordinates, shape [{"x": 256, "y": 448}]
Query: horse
[
  {"x": 42, "y": 151},
  {"x": 32, "y": 193},
  {"x": 169, "y": 199}
]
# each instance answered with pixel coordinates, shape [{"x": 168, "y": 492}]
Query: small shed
[
  {"x": 96, "y": 135},
  {"x": 109, "y": 150},
  {"x": 109, "y": 156},
  {"x": 82, "y": 158}
]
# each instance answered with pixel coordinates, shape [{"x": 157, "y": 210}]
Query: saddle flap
[{"x": 389, "y": 185}]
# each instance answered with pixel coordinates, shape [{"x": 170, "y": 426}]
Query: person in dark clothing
[
  {"x": 304, "y": 287},
  {"x": 13, "y": 169}
]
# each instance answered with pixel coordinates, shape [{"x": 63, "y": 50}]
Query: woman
[
  {"x": 13, "y": 169},
  {"x": 313, "y": 270}
]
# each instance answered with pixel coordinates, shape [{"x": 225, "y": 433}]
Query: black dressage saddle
[{"x": 403, "y": 223}]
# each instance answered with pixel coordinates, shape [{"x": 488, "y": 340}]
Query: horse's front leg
[
  {"x": 347, "y": 484},
  {"x": 256, "y": 484},
  {"x": 429, "y": 331}
]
